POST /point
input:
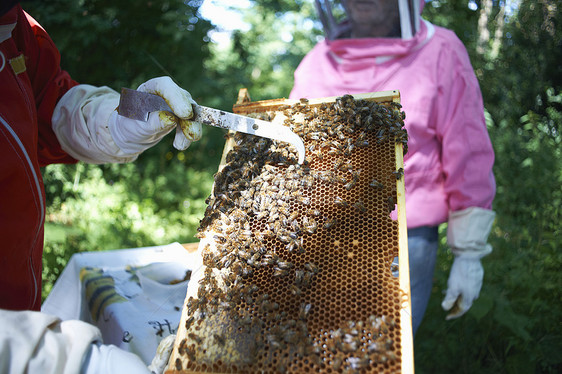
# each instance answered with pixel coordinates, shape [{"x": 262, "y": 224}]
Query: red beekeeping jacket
[{"x": 31, "y": 83}]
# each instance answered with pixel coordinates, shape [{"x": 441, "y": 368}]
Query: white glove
[
  {"x": 467, "y": 234},
  {"x": 160, "y": 123},
  {"x": 88, "y": 127},
  {"x": 162, "y": 356}
]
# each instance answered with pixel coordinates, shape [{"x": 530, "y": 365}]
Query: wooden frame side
[
  {"x": 243, "y": 106},
  {"x": 404, "y": 272}
]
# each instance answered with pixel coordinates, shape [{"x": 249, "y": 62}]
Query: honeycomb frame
[{"x": 322, "y": 347}]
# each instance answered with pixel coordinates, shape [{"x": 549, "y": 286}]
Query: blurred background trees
[{"x": 515, "y": 48}]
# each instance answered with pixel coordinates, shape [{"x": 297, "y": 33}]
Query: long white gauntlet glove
[
  {"x": 467, "y": 234},
  {"x": 88, "y": 127}
]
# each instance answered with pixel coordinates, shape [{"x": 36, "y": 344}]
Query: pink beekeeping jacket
[{"x": 449, "y": 162}]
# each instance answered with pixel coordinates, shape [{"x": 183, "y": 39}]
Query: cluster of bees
[
  {"x": 357, "y": 345},
  {"x": 261, "y": 210}
]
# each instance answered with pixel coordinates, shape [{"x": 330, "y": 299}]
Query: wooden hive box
[{"x": 295, "y": 272}]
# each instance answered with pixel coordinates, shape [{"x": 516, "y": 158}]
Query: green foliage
[
  {"x": 264, "y": 58},
  {"x": 124, "y": 43},
  {"x": 514, "y": 326}
]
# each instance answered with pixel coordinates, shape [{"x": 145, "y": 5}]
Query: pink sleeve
[{"x": 467, "y": 155}]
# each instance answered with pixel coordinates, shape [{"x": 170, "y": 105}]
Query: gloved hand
[
  {"x": 88, "y": 127},
  {"x": 162, "y": 356},
  {"x": 134, "y": 136},
  {"x": 467, "y": 234}
]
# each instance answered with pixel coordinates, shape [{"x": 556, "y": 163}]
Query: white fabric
[
  {"x": 88, "y": 127},
  {"x": 34, "y": 342},
  {"x": 405, "y": 23},
  {"x": 108, "y": 359},
  {"x": 468, "y": 230},
  {"x": 467, "y": 236},
  {"x": 80, "y": 121},
  {"x": 126, "y": 293}
]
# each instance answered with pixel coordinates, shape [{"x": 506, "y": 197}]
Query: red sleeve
[{"x": 49, "y": 83}]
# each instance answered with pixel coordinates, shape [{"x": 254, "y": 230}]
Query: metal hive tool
[{"x": 295, "y": 271}]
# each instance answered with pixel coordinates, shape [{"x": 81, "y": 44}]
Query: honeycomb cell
[{"x": 296, "y": 273}]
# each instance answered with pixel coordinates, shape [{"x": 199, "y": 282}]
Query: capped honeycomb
[{"x": 295, "y": 271}]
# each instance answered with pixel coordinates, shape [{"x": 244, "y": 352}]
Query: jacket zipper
[{"x": 39, "y": 195}]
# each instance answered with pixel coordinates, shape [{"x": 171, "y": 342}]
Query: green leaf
[
  {"x": 481, "y": 307},
  {"x": 519, "y": 363}
]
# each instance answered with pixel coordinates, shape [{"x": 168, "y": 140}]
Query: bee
[
  {"x": 248, "y": 299},
  {"x": 283, "y": 209},
  {"x": 196, "y": 338},
  {"x": 304, "y": 311},
  {"x": 268, "y": 234},
  {"x": 189, "y": 322},
  {"x": 219, "y": 339},
  {"x": 341, "y": 179},
  {"x": 303, "y": 200},
  {"x": 295, "y": 290},
  {"x": 349, "y": 149},
  {"x": 357, "y": 363},
  {"x": 390, "y": 201},
  {"x": 331, "y": 346},
  {"x": 340, "y": 202},
  {"x": 182, "y": 347},
  {"x": 398, "y": 173},
  {"x": 279, "y": 273},
  {"x": 293, "y": 245},
  {"x": 392, "y": 356},
  {"x": 330, "y": 223},
  {"x": 295, "y": 226},
  {"x": 299, "y": 276},
  {"x": 311, "y": 267},
  {"x": 336, "y": 363},
  {"x": 284, "y": 265},
  {"x": 388, "y": 343},
  {"x": 283, "y": 236},
  {"x": 334, "y": 151},
  {"x": 376, "y": 184},
  {"x": 267, "y": 306},
  {"x": 350, "y": 185},
  {"x": 190, "y": 352},
  {"x": 349, "y": 346},
  {"x": 374, "y": 347},
  {"x": 178, "y": 364},
  {"x": 291, "y": 337},
  {"x": 338, "y": 163},
  {"x": 309, "y": 224},
  {"x": 314, "y": 212},
  {"x": 243, "y": 255},
  {"x": 360, "y": 206}
]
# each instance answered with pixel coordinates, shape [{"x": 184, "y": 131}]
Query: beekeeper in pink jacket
[{"x": 385, "y": 45}]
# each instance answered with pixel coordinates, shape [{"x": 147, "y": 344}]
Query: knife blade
[{"x": 138, "y": 105}]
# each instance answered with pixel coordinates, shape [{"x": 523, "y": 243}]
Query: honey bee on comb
[{"x": 274, "y": 293}]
